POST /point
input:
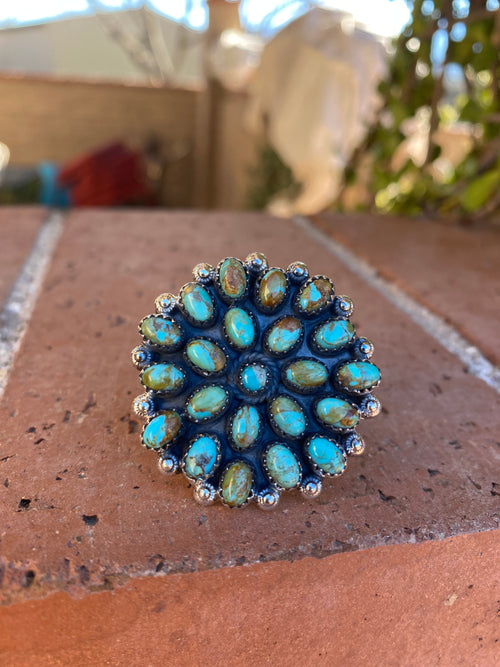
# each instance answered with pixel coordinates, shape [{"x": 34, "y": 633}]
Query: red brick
[
  {"x": 402, "y": 605},
  {"x": 452, "y": 270},
  {"x": 69, "y": 441},
  {"x": 18, "y": 228}
]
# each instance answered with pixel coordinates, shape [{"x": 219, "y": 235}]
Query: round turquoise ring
[{"x": 254, "y": 381}]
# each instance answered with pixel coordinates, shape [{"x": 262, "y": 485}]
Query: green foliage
[
  {"x": 268, "y": 177},
  {"x": 447, "y": 46}
]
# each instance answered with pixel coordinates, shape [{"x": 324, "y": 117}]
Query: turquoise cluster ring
[{"x": 254, "y": 381}]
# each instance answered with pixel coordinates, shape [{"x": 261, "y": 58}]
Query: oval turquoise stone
[
  {"x": 326, "y": 455},
  {"x": 232, "y": 278},
  {"x": 239, "y": 327},
  {"x": 284, "y": 335},
  {"x": 163, "y": 377},
  {"x": 305, "y": 374},
  {"x": 282, "y": 466},
  {"x": 333, "y": 334},
  {"x": 337, "y": 413},
  {"x": 161, "y": 430},
  {"x": 254, "y": 377},
  {"x": 161, "y": 331},
  {"x": 288, "y": 416},
  {"x": 197, "y": 302},
  {"x": 245, "y": 427},
  {"x": 272, "y": 288},
  {"x": 207, "y": 403},
  {"x": 205, "y": 355},
  {"x": 201, "y": 457},
  {"x": 315, "y": 296},
  {"x": 358, "y": 375},
  {"x": 237, "y": 484}
]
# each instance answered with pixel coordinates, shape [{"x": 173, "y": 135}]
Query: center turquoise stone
[{"x": 254, "y": 377}]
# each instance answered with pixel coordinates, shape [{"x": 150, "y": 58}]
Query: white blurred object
[
  {"x": 235, "y": 57},
  {"x": 4, "y": 160},
  {"x": 312, "y": 98}
]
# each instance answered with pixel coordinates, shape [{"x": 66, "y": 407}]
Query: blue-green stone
[
  {"x": 254, "y": 377},
  {"x": 163, "y": 377},
  {"x": 236, "y": 484},
  {"x": 288, "y": 416},
  {"x": 326, "y": 455},
  {"x": 284, "y": 335},
  {"x": 245, "y": 427},
  {"x": 232, "y": 278},
  {"x": 207, "y": 403},
  {"x": 161, "y": 430},
  {"x": 239, "y": 327},
  {"x": 161, "y": 331},
  {"x": 315, "y": 295},
  {"x": 337, "y": 413},
  {"x": 282, "y": 466},
  {"x": 200, "y": 458},
  {"x": 197, "y": 302},
  {"x": 272, "y": 288},
  {"x": 306, "y": 374},
  {"x": 358, "y": 375},
  {"x": 333, "y": 334},
  {"x": 205, "y": 355}
]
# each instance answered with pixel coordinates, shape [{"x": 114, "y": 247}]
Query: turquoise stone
[
  {"x": 239, "y": 328},
  {"x": 288, "y": 416},
  {"x": 205, "y": 355},
  {"x": 207, "y": 403},
  {"x": 337, "y": 413},
  {"x": 305, "y": 374},
  {"x": 254, "y": 377},
  {"x": 326, "y": 455},
  {"x": 161, "y": 331},
  {"x": 283, "y": 467},
  {"x": 232, "y": 278},
  {"x": 245, "y": 427},
  {"x": 161, "y": 430},
  {"x": 201, "y": 457},
  {"x": 237, "y": 484},
  {"x": 358, "y": 375},
  {"x": 197, "y": 302},
  {"x": 333, "y": 334},
  {"x": 272, "y": 288},
  {"x": 284, "y": 335},
  {"x": 315, "y": 295},
  {"x": 163, "y": 377}
]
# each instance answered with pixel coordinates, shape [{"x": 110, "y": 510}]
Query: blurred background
[{"x": 295, "y": 106}]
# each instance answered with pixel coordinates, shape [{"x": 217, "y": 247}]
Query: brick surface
[
  {"x": 70, "y": 444},
  {"x": 454, "y": 271},
  {"x": 18, "y": 229},
  {"x": 435, "y": 603}
]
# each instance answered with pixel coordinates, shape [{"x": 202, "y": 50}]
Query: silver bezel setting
[
  {"x": 204, "y": 493},
  {"x": 297, "y": 272},
  {"x": 363, "y": 349},
  {"x": 196, "y": 369},
  {"x": 144, "y": 405},
  {"x": 353, "y": 444},
  {"x": 139, "y": 351},
  {"x": 256, "y": 262},
  {"x": 270, "y": 327},
  {"x": 251, "y": 495},
  {"x": 267, "y": 310},
  {"x": 279, "y": 432},
  {"x": 168, "y": 463},
  {"x": 314, "y": 465},
  {"x": 210, "y": 418},
  {"x": 203, "y": 273},
  {"x": 191, "y": 442},
  {"x": 370, "y": 407},
  {"x": 165, "y": 303},
  {"x": 267, "y": 499},
  {"x": 342, "y": 307},
  {"x": 311, "y": 487},
  {"x": 321, "y": 309}
]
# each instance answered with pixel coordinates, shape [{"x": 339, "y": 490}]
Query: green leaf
[{"x": 477, "y": 193}]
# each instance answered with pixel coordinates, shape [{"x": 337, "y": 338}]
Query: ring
[{"x": 254, "y": 381}]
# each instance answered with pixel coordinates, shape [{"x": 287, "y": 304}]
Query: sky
[{"x": 384, "y": 17}]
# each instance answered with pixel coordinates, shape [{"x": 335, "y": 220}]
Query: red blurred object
[{"x": 111, "y": 176}]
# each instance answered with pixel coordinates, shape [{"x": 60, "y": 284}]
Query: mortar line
[
  {"x": 443, "y": 332},
  {"x": 17, "y": 310}
]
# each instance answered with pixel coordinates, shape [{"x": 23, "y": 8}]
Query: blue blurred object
[{"x": 51, "y": 193}]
